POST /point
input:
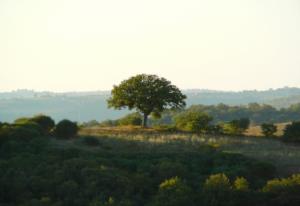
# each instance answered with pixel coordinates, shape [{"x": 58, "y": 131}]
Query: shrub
[
  {"x": 279, "y": 185},
  {"x": 237, "y": 127},
  {"x": 41, "y": 123},
  {"x": 134, "y": 119},
  {"x": 268, "y": 129},
  {"x": 45, "y": 122},
  {"x": 217, "y": 182},
  {"x": 292, "y": 132},
  {"x": 241, "y": 184},
  {"x": 30, "y": 125},
  {"x": 217, "y": 190},
  {"x": 193, "y": 121},
  {"x": 66, "y": 129},
  {"x": 173, "y": 192}
]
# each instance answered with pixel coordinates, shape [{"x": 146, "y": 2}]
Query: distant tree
[
  {"x": 66, "y": 129},
  {"x": 268, "y": 129},
  {"x": 292, "y": 132},
  {"x": 147, "y": 94},
  {"x": 193, "y": 121},
  {"x": 45, "y": 122}
]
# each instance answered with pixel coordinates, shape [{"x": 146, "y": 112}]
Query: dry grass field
[{"x": 256, "y": 130}]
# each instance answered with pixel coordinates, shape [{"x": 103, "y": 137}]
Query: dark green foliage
[
  {"x": 173, "y": 192},
  {"x": 66, "y": 129},
  {"x": 90, "y": 141},
  {"x": 284, "y": 191},
  {"x": 217, "y": 190},
  {"x": 268, "y": 129},
  {"x": 40, "y": 122},
  {"x": 41, "y": 171},
  {"x": 193, "y": 121},
  {"x": 45, "y": 122},
  {"x": 292, "y": 132},
  {"x": 116, "y": 171},
  {"x": 147, "y": 94},
  {"x": 134, "y": 119}
]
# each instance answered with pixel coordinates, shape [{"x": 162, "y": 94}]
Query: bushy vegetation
[
  {"x": 134, "y": 119},
  {"x": 66, "y": 129},
  {"x": 292, "y": 132},
  {"x": 36, "y": 169},
  {"x": 45, "y": 123},
  {"x": 193, "y": 121}
]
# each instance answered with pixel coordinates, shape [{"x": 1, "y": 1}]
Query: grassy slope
[{"x": 286, "y": 157}]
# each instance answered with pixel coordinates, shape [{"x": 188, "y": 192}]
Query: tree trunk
[{"x": 145, "y": 120}]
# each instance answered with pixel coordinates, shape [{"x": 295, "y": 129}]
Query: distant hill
[{"x": 85, "y": 106}]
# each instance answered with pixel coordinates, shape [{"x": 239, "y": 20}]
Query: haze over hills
[{"x": 85, "y": 106}]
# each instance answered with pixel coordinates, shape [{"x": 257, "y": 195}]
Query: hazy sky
[{"x": 67, "y": 45}]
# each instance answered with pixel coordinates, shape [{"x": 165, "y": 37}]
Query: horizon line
[{"x": 186, "y": 89}]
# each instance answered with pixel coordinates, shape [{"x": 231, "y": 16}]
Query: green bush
[
  {"x": 66, "y": 129},
  {"x": 173, "y": 192},
  {"x": 134, "y": 119},
  {"x": 45, "y": 122},
  {"x": 284, "y": 191},
  {"x": 40, "y": 122},
  {"x": 237, "y": 127},
  {"x": 241, "y": 184},
  {"x": 217, "y": 190},
  {"x": 292, "y": 132},
  {"x": 193, "y": 121}
]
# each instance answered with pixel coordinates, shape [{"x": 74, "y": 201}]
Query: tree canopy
[{"x": 147, "y": 94}]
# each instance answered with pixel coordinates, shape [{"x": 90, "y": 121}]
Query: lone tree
[{"x": 147, "y": 94}]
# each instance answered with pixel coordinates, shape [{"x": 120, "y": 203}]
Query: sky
[{"x": 83, "y": 45}]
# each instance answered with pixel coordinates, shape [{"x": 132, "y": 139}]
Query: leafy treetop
[{"x": 147, "y": 94}]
